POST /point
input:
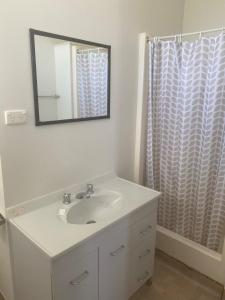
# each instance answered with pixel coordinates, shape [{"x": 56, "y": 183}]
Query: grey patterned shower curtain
[
  {"x": 185, "y": 146},
  {"x": 92, "y": 70}
]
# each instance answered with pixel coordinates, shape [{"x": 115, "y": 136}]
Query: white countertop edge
[
  {"x": 54, "y": 197},
  {"x": 52, "y": 256},
  {"x": 34, "y": 242}
]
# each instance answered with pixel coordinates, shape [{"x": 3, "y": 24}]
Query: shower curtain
[
  {"x": 185, "y": 146},
  {"x": 92, "y": 68}
]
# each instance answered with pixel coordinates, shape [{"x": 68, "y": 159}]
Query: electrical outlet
[{"x": 13, "y": 117}]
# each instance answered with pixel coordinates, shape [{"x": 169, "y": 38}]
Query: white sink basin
[{"x": 95, "y": 209}]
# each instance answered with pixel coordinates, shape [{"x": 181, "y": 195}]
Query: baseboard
[{"x": 191, "y": 254}]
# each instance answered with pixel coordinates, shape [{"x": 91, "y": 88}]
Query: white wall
[
  {"x": 2, "y": 202},
  {"x": 203, "y": 15},
  {"x": 45, "y": 65},
  {"x": 157, "y": 17},
  {"x": 63, "y": 71},
  {"x": 5, "y": 269},
  {"x": 37, "y": 160}
]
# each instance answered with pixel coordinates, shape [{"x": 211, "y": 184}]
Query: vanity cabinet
[{"x": 111, "y": 265}]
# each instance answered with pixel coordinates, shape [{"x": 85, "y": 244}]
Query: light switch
[{"x": 13, "y": 117}]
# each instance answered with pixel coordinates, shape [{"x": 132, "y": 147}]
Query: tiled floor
[{"x": 174, "y": 281}]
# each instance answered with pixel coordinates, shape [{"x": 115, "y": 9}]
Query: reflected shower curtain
[
  {"x": 185, "y": 147},
  {"x": 92, "y": 68}
]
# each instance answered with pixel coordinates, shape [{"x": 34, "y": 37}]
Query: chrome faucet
[
  {"x": 88, "y": 193},
  {"x": 67, "y": 198},
  {"x": 90, "y": 190}
]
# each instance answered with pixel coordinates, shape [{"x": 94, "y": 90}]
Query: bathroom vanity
[{"x": 58, "y": 256}]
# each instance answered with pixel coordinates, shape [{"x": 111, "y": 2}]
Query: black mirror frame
[{"x": 34, "y": 32}]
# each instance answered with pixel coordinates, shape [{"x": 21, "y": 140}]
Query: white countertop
[{"x": 54, "y": 237}]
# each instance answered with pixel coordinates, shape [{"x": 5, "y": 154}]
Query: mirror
[{"x": 71, "y": 78}]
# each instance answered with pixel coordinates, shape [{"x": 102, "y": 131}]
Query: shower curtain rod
[{"x": 181, "y": 35}]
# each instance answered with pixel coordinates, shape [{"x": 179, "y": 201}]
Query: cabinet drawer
[
  {"x": 139, "y": 278},
  {"x": 144, "y": 230},
  {"x": 142, "y": 212},
  {"x": 114, "y": 242},
  {"x": 142, "y": 265},
  {"x": 142, "y": 255},
  {"x": 77, "y": 278}
]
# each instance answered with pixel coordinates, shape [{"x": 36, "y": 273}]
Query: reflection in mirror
[{"x": 71, "y": 79}]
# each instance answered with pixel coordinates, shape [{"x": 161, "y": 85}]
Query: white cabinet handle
[
  {"x": 148, "y": 251},
  {"x": 146, "y": 229},
  {"x": 144, "y": 277},
  {"x": 80, "y": 278},
  {"x": 117, "y": 251}
]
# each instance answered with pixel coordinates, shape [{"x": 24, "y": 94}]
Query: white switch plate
[{"x": 17, "y": 116}]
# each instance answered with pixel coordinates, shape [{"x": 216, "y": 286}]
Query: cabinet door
[
  {"x": 113, "y": 265},
  {"x": 76, "y": 278}
]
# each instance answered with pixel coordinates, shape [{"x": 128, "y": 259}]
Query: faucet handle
[
  {"x": 67, "y": 198},
  {"x": 90, "y": 188}
]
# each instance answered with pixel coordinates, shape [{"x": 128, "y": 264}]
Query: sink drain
[{"x": 91, "y": 222}]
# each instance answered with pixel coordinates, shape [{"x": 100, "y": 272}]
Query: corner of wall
[
  {"x": 183, "y": 16},
  {"x": 6, "y": 281}
]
